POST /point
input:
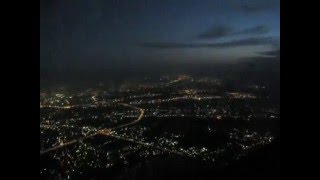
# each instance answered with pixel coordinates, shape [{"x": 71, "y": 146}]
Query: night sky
[{"x": 118, "y": 35}]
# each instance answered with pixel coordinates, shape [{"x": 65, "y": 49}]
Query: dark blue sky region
[{"x": 97, "y": 33}]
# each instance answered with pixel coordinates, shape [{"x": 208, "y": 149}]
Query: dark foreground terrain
[{"x": 262, "y": 164}]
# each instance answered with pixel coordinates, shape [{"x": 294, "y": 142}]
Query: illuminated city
[{"x": 94, "y": 128}]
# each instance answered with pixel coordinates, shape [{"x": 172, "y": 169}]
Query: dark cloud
[
  {"x": 224, "y": 31},
  {"x": 167, "y": 45},
  {"x": 243, "y": 42},
  {"x": 260, "y": 29},
  {"x": 251, "y": 6},
  {"x": 273, "y": 53},
  {"x": 234, "y": 43},
  {"x": 217, "y": 32}
]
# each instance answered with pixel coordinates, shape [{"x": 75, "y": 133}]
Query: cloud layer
[
  {"x": 234, "y": 43},
  {"x": 224, "y": 31}
]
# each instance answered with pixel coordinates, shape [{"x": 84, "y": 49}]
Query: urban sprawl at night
[{"x": 198, "y": 118}]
